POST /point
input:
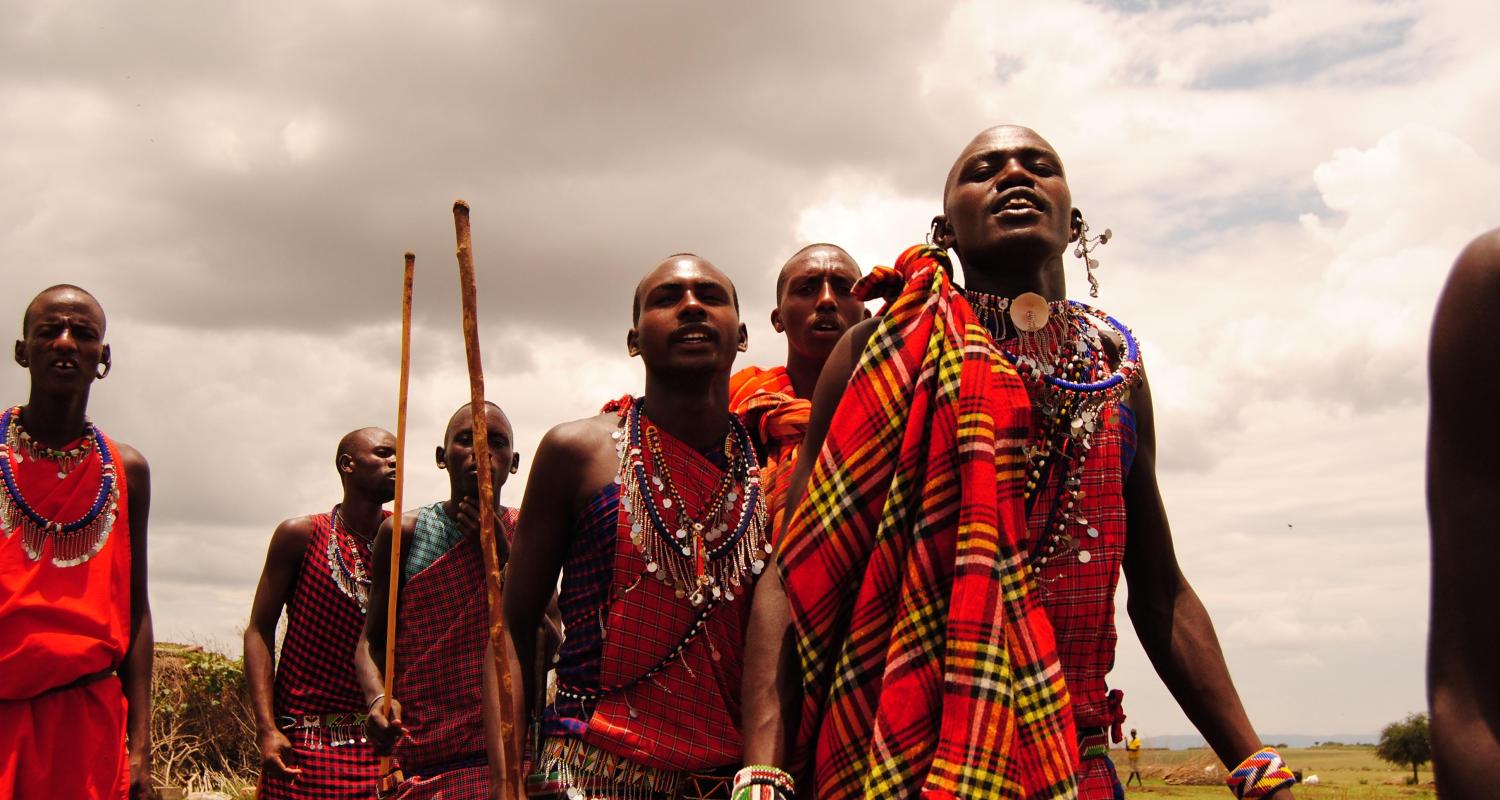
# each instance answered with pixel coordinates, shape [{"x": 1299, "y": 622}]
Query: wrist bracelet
[
  {"x": 374, "y": 702},
  {"x": 1262, "y": 774},
  {"x": 763, "y": 782}
]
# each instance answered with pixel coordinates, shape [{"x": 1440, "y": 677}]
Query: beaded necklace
[
  {"x": 703, "y": 558},
  {"x": 349, "y": 575},
  {"x": 73, "y": 542},
  {"x": 1071, "y": 384}
]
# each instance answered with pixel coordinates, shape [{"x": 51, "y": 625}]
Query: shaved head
[
  {"x": 635, "y": 305},
  {"x": 364, "y": 437},
  {"x": 822, "y": 251},
  {"x": 984, "y": 139},
  {"x": 51, "y": 293},
  {"x": 463, "y": 419}
]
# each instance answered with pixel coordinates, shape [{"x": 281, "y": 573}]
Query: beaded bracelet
[
  {"x": 762, "y": 782},
  {"x": 1260, "y": 775}
]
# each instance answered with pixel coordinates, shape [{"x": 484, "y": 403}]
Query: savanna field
[{"x": 1345, "y": 772}]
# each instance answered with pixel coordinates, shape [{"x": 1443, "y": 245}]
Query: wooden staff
[
  {"x": 395, "y": 560},
  {"x": 510, "y": 755}
]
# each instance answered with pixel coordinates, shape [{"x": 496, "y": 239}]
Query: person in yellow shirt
[{"x": 1133, "y": 749}]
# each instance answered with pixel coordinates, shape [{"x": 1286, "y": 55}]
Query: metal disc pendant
[
  {"x": 1085, "y": 557},
  {"x": 1029, "y": 312}
]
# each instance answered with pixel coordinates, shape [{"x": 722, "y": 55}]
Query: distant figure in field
[
  {"x": 75, "y": 620},
  {"x": 310, "y": 721},
  {"x": 1133, "y": 750},
  {"x": 1463, "y": 477}
]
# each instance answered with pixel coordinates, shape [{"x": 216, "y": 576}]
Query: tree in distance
[{"x": 1406, "y": 742}]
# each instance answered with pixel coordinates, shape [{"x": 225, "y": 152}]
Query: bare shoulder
[
  {"x": 580, "y": 439},
  {"x": 1481, "y": 258},
  {"x": 137, "y": 470},
  {"x": 1466, "y": 308}
]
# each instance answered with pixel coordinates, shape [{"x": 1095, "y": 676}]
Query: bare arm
[
  {"x": 772, "y": 689},
  {"x": 1463, "y": 660},
  {"x": 277, "y": 581},
  {"x": 135, "y": 672},
  {"x": 1170, "y": 620},
  {"x": 541, "y": 542}
]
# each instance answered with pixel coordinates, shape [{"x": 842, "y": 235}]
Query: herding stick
[{"x": 395, "y": 560}]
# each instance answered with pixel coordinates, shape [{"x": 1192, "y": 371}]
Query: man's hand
[
  {"x": 468, "y": 522},
  {"x": 384, "y": 732},
  {"x": 274, "y": 748},
  {"x": 140, "y": 776}
]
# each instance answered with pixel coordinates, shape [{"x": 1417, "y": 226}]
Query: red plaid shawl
[
  {"x": 937, "y": 675},
  {"x": 315, "y": 675},
  {"x": 442, "y": 626}
]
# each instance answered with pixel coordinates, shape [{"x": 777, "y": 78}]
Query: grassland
[{"x": 1344, "y": 773}]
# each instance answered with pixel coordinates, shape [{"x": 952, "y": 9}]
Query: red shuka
[
  {"x": 771, "y": 408},
  {"x": 59, "y": 625}
]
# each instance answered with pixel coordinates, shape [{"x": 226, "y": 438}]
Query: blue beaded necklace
[{"x": 72, "y": 542}]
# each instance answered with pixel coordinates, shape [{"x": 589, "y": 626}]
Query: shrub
[{"x": 202, "y": 728}]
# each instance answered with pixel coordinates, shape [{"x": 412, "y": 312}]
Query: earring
[
  {"x": 108, "y": 365},
  {"x": 1085, "y": 251},
  {"x": 935, "y": 237}
]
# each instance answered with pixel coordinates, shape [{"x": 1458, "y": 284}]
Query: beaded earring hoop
[{"x": 1085, "y": 250}]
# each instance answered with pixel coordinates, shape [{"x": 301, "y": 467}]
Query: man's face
[
  {"x": 817, "y": 303},
  {"x": 688, "y": 322},
  {"x": 457, "y": 453},
  {"x": 1007, "y": 196},
  {"x": 63, "y": 343},
  {"x": 371, "y": 464}
]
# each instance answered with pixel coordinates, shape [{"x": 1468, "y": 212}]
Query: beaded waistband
[
  {"x": 566, "y": 764},
  {"x": 317, "y": 731},
  {"x": 1093, "y": 743}
]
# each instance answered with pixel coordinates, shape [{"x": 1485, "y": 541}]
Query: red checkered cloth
[
  {"x": 1080, "y": 598},
  {"x": 442, "y": 626},
  {"x": 687, "y": 716},
  {"x": 929, "y": 666},
  {"x": 315, "y": 676},
  {"x": 771, "y": 408}
]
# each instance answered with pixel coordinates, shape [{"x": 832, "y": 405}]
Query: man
[
  {"x": 1133, "y": 752},
  {"x": 311, "y": 726},
  {"x": 436, "y": 728},
  {"x": 75, "y": 620},
  {"x": 981, "y": 478},
  {"x": 1462, "y": 658},
  {"x": 651, "y": 512},
  {"x": 815, "y": 304}
]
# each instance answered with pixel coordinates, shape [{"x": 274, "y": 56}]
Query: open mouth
[
  {"x": 1017, "y": 202},
  {"x": 694, "y": 335},
  {"x": 65, "y": 365},
  {"x": 827, "y": 326}
]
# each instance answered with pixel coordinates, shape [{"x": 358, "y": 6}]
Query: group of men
[{"x": 886, "y": 569}]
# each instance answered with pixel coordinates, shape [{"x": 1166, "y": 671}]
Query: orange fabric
[
  {"x": 58, "y": 624},
  {"x": 67, "y": 744},
  {"x": 771, "y": 408}
]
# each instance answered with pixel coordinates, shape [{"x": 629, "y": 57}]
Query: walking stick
[
  {"x": 510, "y": 757},
  {"x": 395, "y": 560}
]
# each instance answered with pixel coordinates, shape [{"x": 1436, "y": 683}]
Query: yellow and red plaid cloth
[{"x": 930, "y": 669}]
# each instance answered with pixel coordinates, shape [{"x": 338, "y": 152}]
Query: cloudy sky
[{"x": 1287, "y": 183}]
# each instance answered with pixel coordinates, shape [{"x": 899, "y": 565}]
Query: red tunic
[
  {"x": 771, "y": 407},
  {"x": 1080, "y": 597},
  {"x": 621, "y": 624},
  {"x": 58, "y": 626},
  {"x": 442, "y": 626},
  {"x": 315, "y": 677}
]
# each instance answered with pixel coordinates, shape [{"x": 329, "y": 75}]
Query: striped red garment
[{"x": 930, "y": 669}]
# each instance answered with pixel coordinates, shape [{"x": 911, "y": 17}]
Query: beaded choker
[
  {"x": 344, "y": 562},
  {"x": 1068, "y": 376},
  {"x": 75, "y": 541},
  {"x": 704, "y": 554}
]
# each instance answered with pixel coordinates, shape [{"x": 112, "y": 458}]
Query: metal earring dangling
[{"x": 1085, "y": 251}]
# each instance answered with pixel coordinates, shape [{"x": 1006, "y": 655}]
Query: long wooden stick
[
  {"x": 510, "y": 755},
  {"x": 395, "y": 560}
]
